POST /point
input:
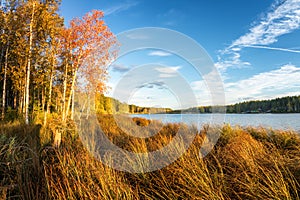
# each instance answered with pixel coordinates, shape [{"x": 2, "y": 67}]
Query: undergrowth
[{"x": 246, "y": 163}]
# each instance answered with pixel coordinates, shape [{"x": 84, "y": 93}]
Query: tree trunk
[
  {"x": 56, "y": 104},
  {"x": 1, "y": 56},
  {"x": 43, "y": 98},
  {"x": 20, "y": 103},
  {"x": 24, "y": 97},
  {"x": 29, "y": 65},
  {"x": 71, "y": 92},
  {"x": 36, "y": 98},
  {"x": 64, "y": 94},
  {"x": 73, "y": 105},
  {"x": 4, "y": 83},
  {"x": 50, "y": 93},
  {"x": 15, "y": 100}
]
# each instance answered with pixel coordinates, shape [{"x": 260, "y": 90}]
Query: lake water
[{"x": 274, "y": 121}]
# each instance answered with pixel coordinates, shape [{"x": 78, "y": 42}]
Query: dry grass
[{"x": 249, "y": 163}]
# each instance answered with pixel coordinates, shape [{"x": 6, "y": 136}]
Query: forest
[
  {"x": 290, "y": 104},
  {"x": 278, "y": 105},
  {"x": 41, "y": 58},
  {"x": 109, "y": 105}
]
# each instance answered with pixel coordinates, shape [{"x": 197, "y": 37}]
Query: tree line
[
  {"x": 41, "y": 59},
  {"x": 290, "y": 104},
  {"x": 109, "y": 105}
]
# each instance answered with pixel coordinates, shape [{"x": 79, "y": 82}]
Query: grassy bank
[{"x": 246, "y": 163}]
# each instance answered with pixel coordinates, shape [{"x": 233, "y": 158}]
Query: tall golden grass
[{"x": 246, "y": 163}]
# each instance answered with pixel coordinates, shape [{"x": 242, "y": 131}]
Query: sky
[{"x": 254, "y": 46}]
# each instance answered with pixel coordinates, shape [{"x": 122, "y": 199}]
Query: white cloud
[
  {"x": 233, "y": 61},
  {"x": 284, "y": 18},
  {"x": 168, "y": 70},
  {"x": 119, "y": 68},
  {"x": 135, "y": 36},
  {"x": 267, "y": 85},
  {"x": 272, "y": 48},
  {"x": 119, "y": 8},
  {"x": 171, "y": 17},
  {"x": 279, "y": 82},
  {"x": 159, "y": 53},
  {"x": 210, "y": 90},
  {"x": 167, "y": 75}
]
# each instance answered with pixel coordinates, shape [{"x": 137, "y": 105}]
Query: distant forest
[
  {"x": 279, "y": 105},
  {"x": 108, "y": 105}
]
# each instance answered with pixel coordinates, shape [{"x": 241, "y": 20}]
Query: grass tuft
[{"x": 246, "y": 163}]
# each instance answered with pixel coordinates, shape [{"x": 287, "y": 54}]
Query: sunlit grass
[{"x": 246, "y": 163}]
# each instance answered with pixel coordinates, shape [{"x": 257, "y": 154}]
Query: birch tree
[{"x": 89, "y": 46}]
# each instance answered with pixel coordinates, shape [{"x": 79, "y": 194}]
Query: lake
[{"x": 275, "y": 121}]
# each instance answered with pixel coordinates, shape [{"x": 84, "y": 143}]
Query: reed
[{"x": 246, "y": 163}]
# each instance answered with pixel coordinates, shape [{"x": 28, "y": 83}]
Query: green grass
[{"x": 246, "y": 163}]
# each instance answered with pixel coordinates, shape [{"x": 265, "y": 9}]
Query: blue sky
[{"x": 254, "y": 44}]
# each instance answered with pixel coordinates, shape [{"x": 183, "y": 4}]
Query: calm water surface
[{"x": 275, "y": 121}]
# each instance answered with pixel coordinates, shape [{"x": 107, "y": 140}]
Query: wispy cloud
[
  {"x": 168, "y": 72},
  {"x": 172, "y": 17},
  {"x": 119, "y": 8},
  {"x": 119, "y": 68},
  {"x": 284, "y": 18},
  {"x": 137, "y": 36},
  {"x": 234, "y": 60},
  {"x": 264, "y": 85},
  {"x": 167, "y": 75},
  {"x": 150, "y": 85},
  {"x": 272, "y": 48},
  {"x": 159, "y": 53}
]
